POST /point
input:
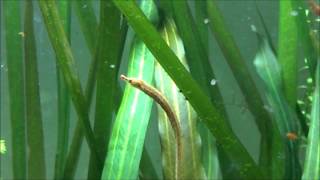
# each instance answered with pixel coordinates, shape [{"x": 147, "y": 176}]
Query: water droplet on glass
[
  {"x": 294, "y": 13},
  {"x": 253, "y": 28},
  {"x": 213, "y": 82},
  {"x": 206, "y": 21},
  {"x": 112, "y": 66}
]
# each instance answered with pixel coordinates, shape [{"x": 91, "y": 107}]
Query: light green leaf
[
  {"x": 191, "y": 166},
  {"x": 312, "y": 161},
  {"x": 129, "y": 130},
  {"x": 270, "y": 72}
]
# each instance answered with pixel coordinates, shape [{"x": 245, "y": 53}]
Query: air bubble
[
  {"x": 213, "y": 82},
  {"x": 206, "y": 21},
  {"x": 294, "y": 13}
]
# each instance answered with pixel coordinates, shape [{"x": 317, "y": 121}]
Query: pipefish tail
[{"x": 162, "y": 101}]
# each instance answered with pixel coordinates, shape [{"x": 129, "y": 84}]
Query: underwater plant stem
[
  {"x": 288, "y": 51},
  {"x": 161, "y": 100},
  {"x": 14, "y": 47},
  {"x": 88, "y": 22},
  {"x": 63, "y": 101},
  {"x": 36, "y": 155},
  {"x": 66, "y": 62},
  {"x": 184, "y": 81},
  {"x": 107, "y": 50}
]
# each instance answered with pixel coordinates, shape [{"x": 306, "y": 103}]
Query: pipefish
[{"x": 162, "y": 101}]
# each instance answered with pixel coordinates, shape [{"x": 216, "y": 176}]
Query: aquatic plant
[{"x": 166, "y": 54}]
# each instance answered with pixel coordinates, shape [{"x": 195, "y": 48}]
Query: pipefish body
[{"x": 162, "y": 101}]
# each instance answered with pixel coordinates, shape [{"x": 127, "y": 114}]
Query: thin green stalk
[
  {"x": 201, "y": 22},
  {"x": 66, "y": 63},
  {"x": 108, "y": 58},
  {"x": 14, "y": 35},
  {"x": 196, "y": 44},
  {"x": 189, "y": 157},
  {"x": 284, "y": 117},
  {"x": 36, "y": 155},
  {"x": 77, "y": 139},
  {"x": 304, "y": 30},
  {"x": 63, "y": 99},
  {"x": 147, "y": 170},
  {"x": 197, "y": 98},
  {"x": 288, "y": 50},
  {"x": 88, "y": 22},
  {"x": 312, "y": 161},
  {"x": 241, "y": 71},
  {"x": 130, "y": 126},
  {"x": 238, "y": 65}
]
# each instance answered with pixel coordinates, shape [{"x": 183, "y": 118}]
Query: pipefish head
[{"x": 133, "y": 81}]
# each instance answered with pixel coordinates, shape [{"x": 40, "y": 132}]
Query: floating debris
[
  {"x": 206, "y": 21},
  {"x": 213, "y": 82},
  {"x": 22, "y": 34},
  {"x": 253, "y": 28},
  {"x": 3, "y": 148},
  {"x": 294, "y": 13}
]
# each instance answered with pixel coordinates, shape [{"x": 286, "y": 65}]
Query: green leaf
[
  {"x": 147, "y": 170},
  {"x": 13, "y": 37},
  {"x": 129, "y": 129},
  {"x": 66, "y": 63},
  {"x": 108, "y": 59},
  {"x": 304, "y": 30},
  {"x": 63, "y": 99},
  {"x": 89, "y": 26},
  {"x": 238, "y": 65},
  {"x": 270, "y": 72},
  {"x": 88, "y": 22},
  {"x": 197, "y": 98},
  {"x": 288, "y": 50},
  {"x": 191, "y": 166},
  {"x": 36, "y": 155},
  {"x": 312, "y": 161}
]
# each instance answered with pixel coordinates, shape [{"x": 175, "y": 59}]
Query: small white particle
[
  {"x": 294, "y": 13},
  {"x": 309, "y": 80},
  {"x": 300, "y": 102},
  {"x": 253, "y": 28},
  {"x": 112, "y": 66},
  {"x": 268, "y": 108},
  {"x": 2, "y": 66},
  {"x": 84, "y": 6},
  {"x": 307, "y": 12},
  {"x": 213, "y": 82},
  {"x": 206, "y": 21},
  {"x": 21, "y": 34}
]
